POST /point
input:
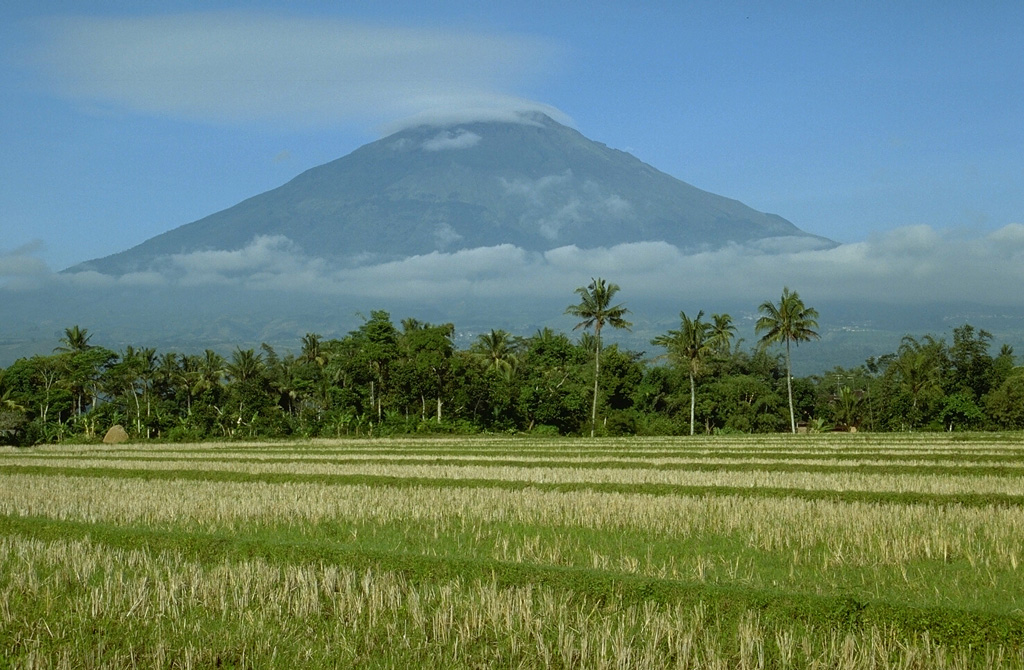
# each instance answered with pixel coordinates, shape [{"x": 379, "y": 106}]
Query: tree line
[{"x": 386, "y": 379}]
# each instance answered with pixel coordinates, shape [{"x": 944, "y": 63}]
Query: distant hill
[{"x": 535, "y": 184}]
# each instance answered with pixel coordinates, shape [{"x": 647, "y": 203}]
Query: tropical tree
[
  {"x": 312, "y": 350},
  {"x": 425, "y": 367},
  {"x": 789, "y": 321},
  {"x": 249, "y": 388},
  {"x": 210, "y": 369},
  {"x": 75, "y": 340},
  {"x": 1006, "y": 404},
  {"x": 595, "y": 311},
  {"x": 847, "y": 408},
  {"x": 204, "y": 376},
  {"x": 552, "y": 391},
  {"x": 691, "y": 345},
  {"x": 723, "y": 331},
  {"x": 12, "y": 414},
  {"x": 970, "y": 367},
  {"x": 918, "y": 368},
  {"x": 495, "y": 351},
  {"x": 376, "y": 350}
]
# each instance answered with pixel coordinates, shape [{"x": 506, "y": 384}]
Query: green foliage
[
  {"x": 1006, "y": 404},
  {"x": 960, "y": 412},
  {"x": 380, "y": 380},
  {"x": 595, "y": 311},
  {"x": 693, "y": 344},
  {"x": 789, "y": 321}
]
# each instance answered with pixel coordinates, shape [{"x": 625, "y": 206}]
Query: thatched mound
[{"x": 116, "y": 435}]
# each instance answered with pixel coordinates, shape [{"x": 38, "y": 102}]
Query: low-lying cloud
[
  {"x": 557, "y": 203},
  {"x": 912, "y": 265},
  {"x": 243, "y": 67},
  {"x": 447, "y": 139},
  {"x": 21, "y": 264}
]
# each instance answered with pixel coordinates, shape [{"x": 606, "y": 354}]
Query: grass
[{"x": 559, "y": 553}]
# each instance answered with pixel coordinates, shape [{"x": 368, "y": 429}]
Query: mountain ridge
[{"x": 536, "y": 184}]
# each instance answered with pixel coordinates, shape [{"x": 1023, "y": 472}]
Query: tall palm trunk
[
  {"x": 693, "y": 400},
  {"x": 789, "y": 388},
  {"x": 597, "y": 373}
]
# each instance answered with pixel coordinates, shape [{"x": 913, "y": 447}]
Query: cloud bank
[
  {"x": 245, "y": 67},
  {"x": 911, "y": 265}
]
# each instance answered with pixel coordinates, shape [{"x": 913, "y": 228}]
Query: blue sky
[{"x": 866, "y": 122}]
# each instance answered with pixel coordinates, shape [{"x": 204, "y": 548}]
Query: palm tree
[
  {"x": 918, "y": 368},
  {"x": 202, "y": 375},
  {"x": 312, "y": 350},
  {"x": 848, "y": 408},
  {"x": 133, "y": 376},
  {"x": 691, "y": 345},
  {"x": 588, "y": 343},
  {"x": 789, "y": 321},
  {"x": 5, "y": 395},
  {"x": 495, "y": 351},
  {"x": 210, "y": 371},
  {"x": 246, "y": 365},
  {"x": 75, "y": 340},
  {"x": 723, "y": 330},
  {"x": 595, "y": 310}
]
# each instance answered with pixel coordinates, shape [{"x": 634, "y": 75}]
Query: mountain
[{"x": 534, "y": 184}]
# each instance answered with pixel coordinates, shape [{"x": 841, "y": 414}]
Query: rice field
[{"x": 836, "y": 551}]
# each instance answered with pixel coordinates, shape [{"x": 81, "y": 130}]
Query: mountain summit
[{"x": 535, "y": 184}]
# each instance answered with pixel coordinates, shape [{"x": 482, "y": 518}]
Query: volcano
[{"x": 532, "y": 183}]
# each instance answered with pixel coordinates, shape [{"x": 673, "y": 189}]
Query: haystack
[{"x": 116, "y": 435}]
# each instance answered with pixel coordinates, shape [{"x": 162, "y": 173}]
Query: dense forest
[{"x": 386, "y": 379}]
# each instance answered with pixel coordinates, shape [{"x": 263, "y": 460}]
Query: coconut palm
[
  {"x": 723, "y": 331},
  {"x": 692, "y": 344},
  {"x": 918, "y": 367},
  {"x": 312, "y": 350},
  {"x": 75, "y": 340},
  {"x": 495, "y": 351},
  {"x": 209, "y": 372},
  {"x": 246, "y": 365},
  {"x": 789, "y": 321},
  {"x": 596, "y": 311}
]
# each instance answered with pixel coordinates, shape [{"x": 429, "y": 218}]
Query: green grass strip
[
  {"x": 960, "y": 628},
  {"x": 861, "y": 468},
  {"x": 995, "y": 456},
  {"x": 880, "y": 497}
]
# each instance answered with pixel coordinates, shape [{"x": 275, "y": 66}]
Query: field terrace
[{"x": 790, "y": 551}]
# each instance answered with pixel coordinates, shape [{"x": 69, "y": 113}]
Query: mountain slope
[{"x": 535, "y": 184}]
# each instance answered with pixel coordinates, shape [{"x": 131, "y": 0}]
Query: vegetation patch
[{"x": 258, "y": 556}]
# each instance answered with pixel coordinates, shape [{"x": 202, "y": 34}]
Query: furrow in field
[
  {"x": 841, "y": 481},
  {"x": 1006, "y": 466},
  {"x": 943, "y": 624},
  {"x": 815, "y": 546},
  {"x": 850, "y": 495}
]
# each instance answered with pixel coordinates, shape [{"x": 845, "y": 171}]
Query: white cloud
[
  {"x": 555, "y": 202},
  {"x": 536, "y": 190},
  {"x": 447, "y": 139},
  {"x": 266, "y": 258},
  {"x": 483, "y": 107},
  {"x": 20, "y": 267},
  {"x": 913, "y": 265},
  {"x": 445, "y": 236},
  {"x": 21, "y": 260},
  {"x": 254, "y": 67}
]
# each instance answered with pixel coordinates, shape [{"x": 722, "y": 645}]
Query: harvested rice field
[{"x": 817, "y": 551}]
